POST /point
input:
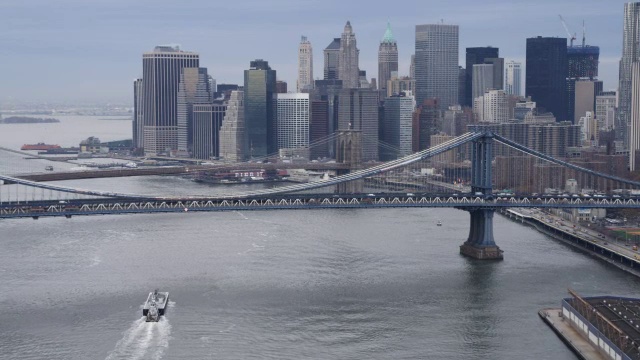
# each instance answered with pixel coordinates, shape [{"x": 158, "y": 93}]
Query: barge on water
[{"x": 155, "y": 306}]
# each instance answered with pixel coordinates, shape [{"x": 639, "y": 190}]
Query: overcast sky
[{"x": 91, "y": 50}]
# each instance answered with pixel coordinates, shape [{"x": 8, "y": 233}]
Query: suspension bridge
[{"x": 459, "y": 172}]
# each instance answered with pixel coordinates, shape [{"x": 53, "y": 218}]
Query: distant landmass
[{"x": 27, "y": 120}]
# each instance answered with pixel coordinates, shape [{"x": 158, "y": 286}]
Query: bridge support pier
[
  {"x": 480, "y": 244},
  {"x": 349, "y": 151}
]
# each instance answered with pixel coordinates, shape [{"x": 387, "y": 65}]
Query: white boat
[
  {"x": 155, "y": 305},
  {"x": 439, "y": 223}
]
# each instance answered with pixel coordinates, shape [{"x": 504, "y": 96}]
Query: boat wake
[{"x": 143, "y": 340}]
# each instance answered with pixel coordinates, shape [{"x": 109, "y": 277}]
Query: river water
[{"x": 322, "y": 284}]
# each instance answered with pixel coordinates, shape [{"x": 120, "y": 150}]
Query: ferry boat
[
  {"x": 155, "y": 306},
  {"x": 39, "y": 146}
]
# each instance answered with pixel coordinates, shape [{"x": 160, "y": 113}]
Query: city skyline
[{"x": 113, "y": 34}]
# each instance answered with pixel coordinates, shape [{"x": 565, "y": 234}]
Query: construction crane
[{"x": 572, "y": 37}]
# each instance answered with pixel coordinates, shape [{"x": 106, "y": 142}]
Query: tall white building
[
  {"x": 436, "y": 64},
  {"x": 493, "y": 107},
  {"x": 588, "y": 129},
  {"x": 634, "y": 129},
  {"x": 606, "y": 104},
  {"x": 305, "y": 65},
  {"x": 293, "y": 120},
  {"x": 512, "y": 78},
  {"x": 232, "y": 130},
  {"x": 161, "y": 71},
  {"x": 630, "y": 54},
  {"x": 349, "y": 71}
]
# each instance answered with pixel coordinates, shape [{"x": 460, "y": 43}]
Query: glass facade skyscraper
[
  {"x": 630, "y": 54},
  {"x": 436, "y": 65},
  {"x": 546, "y": 77},
  {"x": 474, "y": 56},
  {"x": 259, "y": 110},
  {"x": 161, "y": 70}
]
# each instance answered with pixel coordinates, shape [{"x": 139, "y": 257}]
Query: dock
[{"x": 577, "y": 343}]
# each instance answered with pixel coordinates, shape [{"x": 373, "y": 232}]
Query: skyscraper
[
  {"x": 358, "y": 110},
  {"x": 232, "y": 135},
  {"x": 332, "y": 60},
  {"x": 585, "y": 93},
  {"x": 161, "y": 70},
  {"x": 194, "y": 88},
  {"x": 305, "y": 65},
  {"x": 138, "y": 121},
  {"x": 513, "y": 74},
  {"x": 387, "y": 59},
  {"x": 583, "y": 65},
  {"x": 397, "y": 126},
  {"x": 547, "y": 74},
  {"x": 293, "y": 120},
  {"x": 259, "y": 117},
  {"x": 437, "y": 64},
  {"x": 482, "y": 79},
  {"x": 630, "y": 54},
  {"x": 329, "y": 91},
  {"x": 319, "y": 129},
  {"x": 348, "y": 67},
  {"x": 476, "y": 55},
  {"x": 412, "y": 67},
  {"x": 207, "y": 120},
  {"x": 634, "y": 128}
]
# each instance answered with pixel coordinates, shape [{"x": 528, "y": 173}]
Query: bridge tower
[
  {"x": 480, "y": 244},
  {"x": 349, "y": 151}
]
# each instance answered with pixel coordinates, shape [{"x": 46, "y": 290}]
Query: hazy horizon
[{"x": 78, "y": 51}]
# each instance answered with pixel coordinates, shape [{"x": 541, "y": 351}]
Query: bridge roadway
[
  {"x": 103, "y": 206},
  {"x": 176, "y": 170},
  {"x": 620, "y": 254}
]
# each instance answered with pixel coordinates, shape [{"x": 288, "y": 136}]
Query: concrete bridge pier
[
  {"x": 480, "y": 244},
  {"x": 349, "y": 151}
]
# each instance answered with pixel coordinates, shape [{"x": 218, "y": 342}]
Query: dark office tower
[
  {"x": 259, "y": 110},
  {"x": 583, "y": 65},
  {"x": 630, "y": 54},
  {"x": 329, "y": 91},
  {"x": 437, "y": 64},
  {"x": 160, "y": 77},
  {"x": 332, "y": 60},
  {"x": 194, "y": 88},
  {"x": 349, "y": 59},
  {"x": 281, "y": 87},
  {"x": 476, "y": 55},
  {"x": 358, "y": 110},
  {"x": 396, "y": 126},
  {"x": 583, "y": 61},
  {"x": 138, "y": 124},
  {"x": 426, "y": 122},
  {"x": 207, "y": 120},
  {"x": 498, "y": 72},
  {"x": 547, "y": 74},
  {"x": 387, "y": 58},
  {"x": 319, "y": 129},
  {"x": 224, "y": 90},
  {"x": 412, "y": 67},
  {"x": 462, "y": 83}
]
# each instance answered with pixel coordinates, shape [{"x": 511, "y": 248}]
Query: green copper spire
[{"x": 388, "y": 36}]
